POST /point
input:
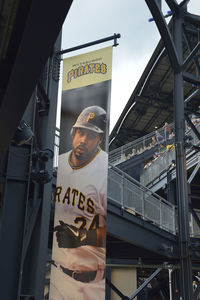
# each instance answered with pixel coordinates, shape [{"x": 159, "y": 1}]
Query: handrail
[
  {"x": 163, "y": 163},
  {"x": 124, "y": 152},
  {"x": 153, "y": 208},
  {"x": 138, "y": 199},
  {"x": 143, "y": 187}
]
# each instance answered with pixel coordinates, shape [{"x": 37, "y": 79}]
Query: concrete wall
[{"x": 125, "y": 279}]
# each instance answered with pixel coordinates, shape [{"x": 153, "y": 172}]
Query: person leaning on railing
[{"x": 159, "y": 137}]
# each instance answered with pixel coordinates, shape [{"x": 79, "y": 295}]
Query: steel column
[
  {"x": 39, "y": 244},
  {"x": 12, "y": 222},
  {"x": 182, "y": 194},
  {"x": 175, "y": 284}
]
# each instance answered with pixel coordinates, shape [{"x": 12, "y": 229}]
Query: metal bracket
[
  {"x": 56, "y": 68},
  {"x": 43, "y": 101},
  {"x": 113, "y": 37}
]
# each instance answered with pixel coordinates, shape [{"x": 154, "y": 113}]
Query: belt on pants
[{"x": 80, "y": 276}]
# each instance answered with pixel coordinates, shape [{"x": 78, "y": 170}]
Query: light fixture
[{"x": 23, "y": 134}]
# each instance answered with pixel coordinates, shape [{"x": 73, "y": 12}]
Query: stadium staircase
[
  {"x": 155, "y": 175},
  {"x": 138, "y": 189},
  {"x": 143, "y": 202}
]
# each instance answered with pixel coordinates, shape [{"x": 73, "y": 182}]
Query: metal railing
[
  {"x": 165, "y": 160},
  {"x": 158, "y": 167},
  {"x": 136, "y": 147},
  {"x": 137, "y": 199}
]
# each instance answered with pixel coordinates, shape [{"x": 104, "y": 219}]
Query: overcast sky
[{"x": 90, "y": 20}]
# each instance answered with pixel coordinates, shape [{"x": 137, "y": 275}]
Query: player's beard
[{"x": 82, "y": 154}]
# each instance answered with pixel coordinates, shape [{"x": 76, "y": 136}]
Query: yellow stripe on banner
[{"x": 86, "y": 69}]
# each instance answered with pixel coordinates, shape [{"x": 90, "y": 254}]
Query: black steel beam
[
  {"x": 186, "y": 291},
  {"x": 136, "y": 293},
  {"x": 196, "y": 132},
  {"x": 191, "y": 55},
  {"x": 116, "y": 290},
  {"x": 146, "y": 235},
  {"x": 173, "y": 5},
  {"x": 194, "y": 172},
  {"x": 43, "y": 24},
  {"x": 187, "y": 36},
  {"x": 12, "y": 221},
  {"x": 30, "y": 227},
  {"x": 191, "y": 78},
  {"x": 165, "y": 34},
  {"x": 39, "y": 242},
  {"x": 192, "y": 19},
  {"x": 195, "y": 93}
]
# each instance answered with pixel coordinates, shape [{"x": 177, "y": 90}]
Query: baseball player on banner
[{"x": 78, "y": 270}]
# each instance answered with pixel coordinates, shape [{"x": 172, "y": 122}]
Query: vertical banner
[{"x": 79, "y": 242}]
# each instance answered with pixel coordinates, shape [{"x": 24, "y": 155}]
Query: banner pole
[{"x": 113, "y": 37}]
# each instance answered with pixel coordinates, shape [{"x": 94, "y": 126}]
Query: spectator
[
  {"x": 167, "y": 130},
  {"x": 171, "y": 135},
  {"x": 153, "y": 141},
  {"x": 163, "y": 148},
  {"x": 133, "y": 152},
  {"x": 194, "y": 120},
  {"x": 159, "y": 137}
]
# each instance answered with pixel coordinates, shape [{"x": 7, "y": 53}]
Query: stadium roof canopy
[{"x": 151, "y": 103}]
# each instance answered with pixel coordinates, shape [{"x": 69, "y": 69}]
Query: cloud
[
  {"x": 91, "y": 20},
  {"x": 125, "y": 78}
]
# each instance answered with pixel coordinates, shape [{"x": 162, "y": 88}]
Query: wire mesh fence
[
  {"x": 140, "y": 145},
  {"x": 131, "y": 195},
  {"x": 167, "y": 160}
]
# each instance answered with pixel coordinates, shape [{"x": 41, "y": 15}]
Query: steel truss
[
  {"x": 174, "y": 48},
  {"x": 26, "y": 202}
]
